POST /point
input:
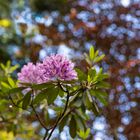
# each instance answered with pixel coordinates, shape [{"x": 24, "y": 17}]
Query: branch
[
  {"x": 60, "y": 117},
  {"x": 38, "y": 117},
  {"x": 10, "y": 97},
  {"x": 40, "y": 120}
]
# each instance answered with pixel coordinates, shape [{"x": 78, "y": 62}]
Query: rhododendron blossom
[
  {"x": 52, "y": 68},
  {"x": 30, "y": 74},
  {"x": 59, "y": 67}
]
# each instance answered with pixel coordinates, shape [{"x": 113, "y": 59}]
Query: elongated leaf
[
  {"x": 96, "y": 53},
  {"x": 60, "y": 92},
  {"x": 73, "y": 127},
  {"x": 95, "y": 109},
  {"x": 100, "y": 95},
  {"x": 5, "y": 85},
  {"x": 103, "y": 84},
  {"x": 80, "y": 124},
  {"x": 102, "y": 99},
  {"x": 13, "y": 68},
  {"x": 63, "y": 123},
  {"x": 26, "y": 100},
  {"x": 52, "y": 93},
  {"x": 99, "y": 58},
  {"x": 96, "y": 92},
  {"x": 81, "y": 75},
  {"x": 19, "y": 101},
  {"x": 42, "y": 86},
  {"x": 77, "y": 103},
  {"x": 11, "y": 82},
  {"x": 15, "y": 90},
  {"x": 8, "y": 64},
  {"x": 84, "y": 134},
  {"x": 91, "y": 53},
  {"x": 40, "y": 97},
  {"x": 91, "y": 105},
  {"x": 87, "y": 132},
  {"x": 92, "y": 72},
  {"x": 2, "y": 66}
]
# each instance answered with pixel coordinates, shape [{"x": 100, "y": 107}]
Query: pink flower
[
  {"x": 30, "y": 74},
  {"x": 52, "y": 68},
  {"x": 58, "y": 67}
]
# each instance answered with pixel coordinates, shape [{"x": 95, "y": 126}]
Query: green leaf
[
  {"x": 103, "y": 84},
  {"x": 102, "y": 99},
  {"x": 99, "y": 58},
  {"x": 91, "y": 52},
  {"x": 26, "y": 100},
  {"x": 96, "y": 53},
  {"x": 11, "y": 82},
  {"x": 82, "y": 115},
  {"x": 73, "y": 127},
  {"x": 81, "y": 74},
  {"x": 13, "y": 68},
  {"x": 63, "y": 123},
  {"x": 3, "y": 67},
  {"x": 42, "y": 86},
  {"x": 96, "y": 92},
  {"x": 19, "y": 101},
  {"x": 89, "y": 78},
  {"x": 102, "y": 76},
  {"x": 100, "y": 95},
  {"x": 40, "y": 97},
  {"x": 79, "y": 122},
  {"x": 15, "y": 90},
  {"x": 5, "y": 85},
  {"x": 87, "y": 133},
  {"x": 92, "y": 72},
  {"x": 84, "y": 134},
  {"x": 8, "y": 64},
  {"x": 90, "y": 104},
  {"x": 52, "y": 94},
  {"x": 61, "y": 93}
]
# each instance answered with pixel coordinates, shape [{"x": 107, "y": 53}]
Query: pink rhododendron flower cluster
[{"x": 52, "y": 68}]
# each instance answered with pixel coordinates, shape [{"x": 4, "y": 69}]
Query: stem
[
  {"x": 39, "y": 119},
  {"x": 60, "y": 117},
  {"x": 45, "y": 136},
  {"x": 16, "y": 104}
]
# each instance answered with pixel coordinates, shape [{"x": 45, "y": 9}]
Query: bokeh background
[{"x": 32, "y": 29}]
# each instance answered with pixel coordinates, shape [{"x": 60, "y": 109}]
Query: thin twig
[
  {"x": 75, "y": 91},
  {"x": 16, "y": 104},
  {"x": 39, "y": 119},
  {"x": 60, "y": 117}
]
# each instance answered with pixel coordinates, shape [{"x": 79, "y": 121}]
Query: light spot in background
[
  {"x": 51, "y": 113},
  {"x": 39, "y": 39},
  {"x": 48, "y": 21},
  {"x": 12, "y": 49},
  {"x": 99, "y": 124},
  {"x": 126, "y": 120},
  {"x": 97, "y": 68},
  {"x": 120, "y": 129},
  {"x": 99, "y": 136},
  {"x": 65, "y": 134},
  {"x": 137, "y": 85},
  {"x": 138, "y": 53},
  {"x": 64, "y": 50},
  {"x": 42, "y": 54},
  {"x": 10, "y": 106},
  {"x": 125, "y": 3}
]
